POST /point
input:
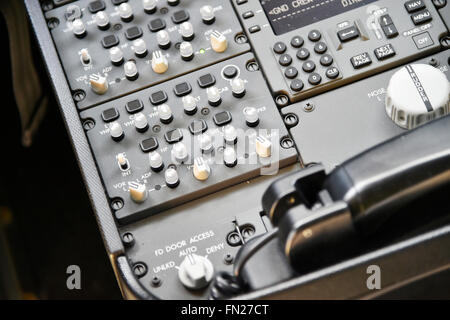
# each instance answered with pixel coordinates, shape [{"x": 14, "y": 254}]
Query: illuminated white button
[
  {"x": 131, "y": 71},
  {"x": 187, "y": 31},
  {"x": 179, "y": 152},
  {"x": 195, "y": 272},
  {"x": 125, "y": 11},
  {"x": 214, "y": 97},
  {"x": 186, "y": 51},
  {"x": 116, "y": 131},
  {"x": 156, "y": 161},
  {"x": 140, "y": 122},
  {"x": 123, "y": 162},
  {"x": 201, "y": 169},
  {"x": 263, "y": 147},
  {"x": 149, "y": 5},
  {"x": 163, "y": 39},
  {"x": 99, "y": 84},
  {"x": 85, "y": 56},
  {"x": 219, "y": 42},
  {"x": 207, "y": 13},
  {"x": 230, "y": 157},
  {"x": 138, "y": 192},
  {"x": 140, "y": 48},
  {"x": 165, "y": 113},
  {"x": 116, "y": 55},
  {"x": 189, "y": 104},
  {"x": 102, "y": 19},
  {"x": 206, "y": 144},
  {"x": 238, "y": 87},
  {"x": 159, "y": 62},
  {"x": 251, "y": 116},
  {"x": 171, "y": 176},
  {"x": 230, "y": 134},
  {"x": 78, "y": 28}
]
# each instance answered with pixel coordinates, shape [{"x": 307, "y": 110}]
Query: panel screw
[
  {"x": 309, "y": 107},
  {"x": 228, "y": 258},
  {"x": 290, "y": 120},
  {"x": 156, "y": 281},
  {"x": 79, "y": 95},
  {"x": 248, "y": 231},
  {"x": 117, "y": 204},
  {"x": 117, "y": 27},
  {"x": 282, "y": 100},
  {"x": 164, "y": 10},
  {"x": 128, "y": 239},
  {"x": 240, "y": 38},
  {"x": 52, "y": 23},
  {"x": 439, "y": 4},
  {"x": 252, "y": 66},
  {"x": 156, "y": 128},
  {"x": 140, "y": 269},
  {"x": 88, "y": 124},
  {"x": 287, "y": 143},
  {"x": 445, "y": 42},
  {"x": 205, "y": 111},
  {"x": 234, "y": 239},
  {"x": 47, "y": 5}
]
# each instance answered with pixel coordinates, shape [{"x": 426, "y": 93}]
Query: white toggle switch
[
  {"x": 165, "y": 113},
  {"x": 140, "y": 48},
  {"x": 179, "y": 152},
  {"x": 251, "y": 116},
  {"x": 149, "y": 5},
  {"x": 186, "y": 51},
  {"x": 263, "y": 147},
  {"x": 230, "y": 157},
  {"x": 189, "y": 104},
  {"x": 201, "y": 169},
  {"x": 195, "y": 272},
  {"x": 126, "y": 12},
  {"x": 116, "y": 131},
  {"x": 214, "y": 97},
  {"x": 206, "y": 143},
  {"x": 187, "y": 31},
  {"x": 122, "y": 160},
  {"x": 116, "y": 56},
  {"x": 238, "y": 87},
  {"x": 138, "y": 192},
  {"x": 131, "y": 71},
  {"x": 85, "y": 56},
  {"x": 163, "y": 39},
  {"x": 102, "y": 20},
  {"x": 140, "y": 122},
  {"x": 99, "y": 84},
  {"x": 219, "y": 42},
  {"x": 207, "y": 13},
  {"x": 159, "y": 63},
  {"x": 156, "y": 161},
  {"x": 230, "y": 134},
  {"x": 78, "y": 28},
  {"x": 171, "y": 176}
]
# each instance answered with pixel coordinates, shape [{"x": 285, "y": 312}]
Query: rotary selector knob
[
  {"x": 160, "y": 64},
  {"x": 116, "y": 131},
  {"x": 263, "y": 147},
  {"x": 219, "y": 42},
  {"x": 230, "y": 157},
  {"x": 165, "y": 113},
  {"x": 201, "y": 170},
  {"x": 251, "y": 116},
  {"x": 238, "y": 87},
  {"x": 230, "y": 134},
  {"x": 416, "y": 94},
  {"x": 214, "y": 96},
  {"x": 99, "y": 84},
  {"x": 186, "y": 51},
  {"x": 206, "y": 143},
  {"x": 138, "y": 192},
  {"x": 196, "y": 272}
]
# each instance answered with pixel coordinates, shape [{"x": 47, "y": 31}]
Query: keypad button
[
  {"x": 279, "y": 48},
  {"x": 134, "y": 106},
  {"x": 386, "y": 20},
  {"x": 309, "y": 66},
  {"x": 361, "y": 60},
  {"x": 320, "y": 47},
  {"x": 332, "y": 73},
  {"x": 180, "y": 17},
  {"x": 297, "y": 85},
  {"x": 423, "y": 40},
  {"x": 230, "y": 72},
  {"x": 326, "y": 60},
  {"x": 206, "y": 81},
  {"x": 149, "y": 145},
  {"x": 303, "y": 54},
  {"x": 390, "y": 31},
  {"x": 110, "y": 41},
  {"x": 291, "y": 73},
  {"x": 158, "y": 98},
  {"x": 297, "y": 42},
  {"x": 421, "y": 17},
  {"x": 414, "y": 5},
  {"x": 315, "y": 79},
  {"x": 314, "y": 35},
  {"x": 96, "y": 6},
  {"x": 110, "y": 115},
  {"x": 156, "y": 25},
  {"x": 133, "y": 33},
  {"x": 285, "y": 60},
  {"x": 173, "y": 136},
  {"x": 348, "y": 34},
  {"x": 198, "y": 127},
  {"x": 384, "y": 52},
  {"x": 182, "y": 89},
  {"x": 222, "y": 118}
]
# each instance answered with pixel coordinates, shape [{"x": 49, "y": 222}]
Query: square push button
[
  {"x": 134, "y": 106},
  {"x": 348, "y": 34},
  {"x": 96, "y": 6},
  {"x": 180, "y": 17},
  {"x": 390, "y": 31},
  {"x": 421, "y": 17},
  {"x": 149, "y": 145},
  {"x": 110, "y": 41},
  {"x": 361, "y": 60},
  {"x": 174, "y": 136},
  {"x": 156, "y": 25},
  {"x": 110, "y": 115},
  {"x": 198, "y": 126},
  {"x": 222, "y": 118},
  {"x": 384, "y": 52},
  {"x": 414, "y": 5},
  {"x": 182, "y": 89},
  {"x": 133, "y": 33},
  {"x": 206, "y": 81},
  {"x": 423, "y": 40},
  {"x": 158, "y": 97}
]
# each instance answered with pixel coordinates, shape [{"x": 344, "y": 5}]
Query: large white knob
[
  {"x": 179, "y": 153},
  {"x": 156, "y": 161},
  {"x": 171, "y": 176},
  {"x": 187, "y": 31},
  {"x": 163, "y": 39},
  {"x": 165, "y": 113},
  {"x": 116, "y": 55},
  {"x": 195, "y": 272},
  {"x": 126, "y": 12},
  {"x": 416, "y": 94},
  {"x": 149, "y": 5},
  {"x": 78, "y": 28},
  {"x": 189, "y": 104},
  {"x": 102, "y": 20},
  {"x": 207, "y": 13},
  {"x": 140, "y": 48}
]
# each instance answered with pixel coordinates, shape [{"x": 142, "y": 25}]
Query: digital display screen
[{"x": 288, "y": 15}]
